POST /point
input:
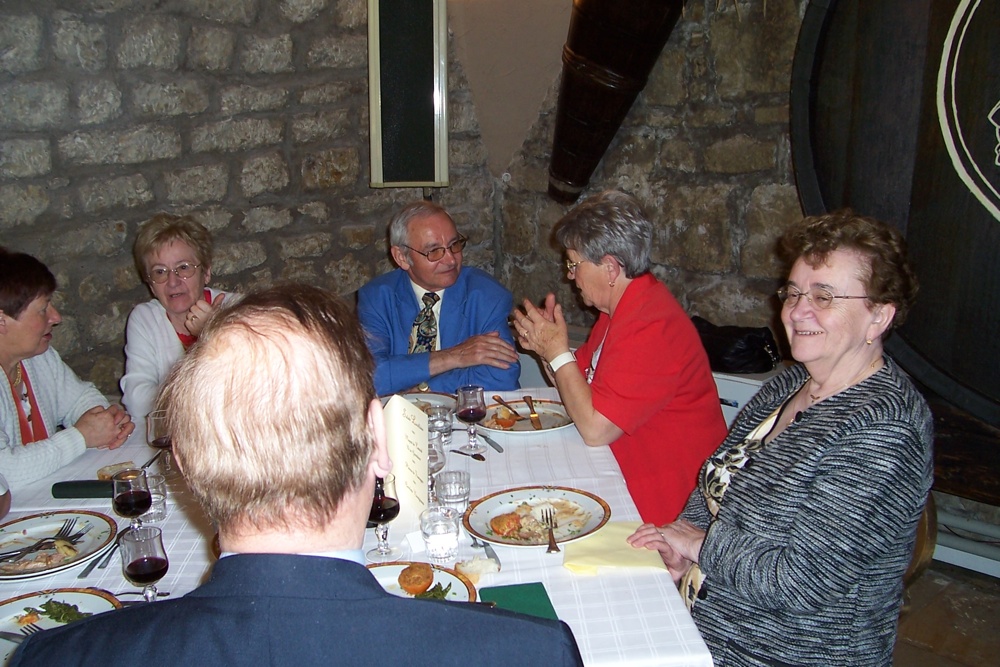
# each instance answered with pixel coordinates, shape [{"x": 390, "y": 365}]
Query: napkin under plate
[{"x": 608, "y": 548}]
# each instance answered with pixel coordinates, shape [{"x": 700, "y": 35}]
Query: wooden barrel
[
  {"x": 609, "y": 53},
  {"x": 896, "y": 113}
]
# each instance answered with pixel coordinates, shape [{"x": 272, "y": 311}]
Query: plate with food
[
  {"x": 50, "y": 609},
  {"x": 514, "y": 517},
  {"x": 425, "y": 581},
  {"x": 89, "y": 535},
  {"x": 426, "y": 399},
  {"x": 552, "y": 415}
]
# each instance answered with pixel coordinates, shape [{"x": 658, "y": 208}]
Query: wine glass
[
  {"x": 471, "y": 409},
  {"x": 144, "y": 560},
  {"x": 385, "y": 508},
  {"x": 131, "y": 497},
  {"x": 158, "y": 436}
]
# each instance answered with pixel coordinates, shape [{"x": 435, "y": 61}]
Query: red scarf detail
[{"x": 34, "y": 431}]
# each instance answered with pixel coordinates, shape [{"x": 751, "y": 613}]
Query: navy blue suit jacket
[
  {"x": 475, "y": 304},
  {"x": 266, "y": 609}
]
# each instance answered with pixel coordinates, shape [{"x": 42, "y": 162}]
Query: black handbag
[{"x": 733, "y": 349}]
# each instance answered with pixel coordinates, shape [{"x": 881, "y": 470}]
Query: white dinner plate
[
  {"x": 86, "y": 600},
  {"x": 387, "y": 575},
  {"x": 552, "y": 414},
  {"x": 592, "y": 513},
  {"x": 28, "y": 530},
  {"x": 426, "y": 399}
]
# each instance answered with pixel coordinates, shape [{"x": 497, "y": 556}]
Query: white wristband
[{"x": 560, "y": 361}]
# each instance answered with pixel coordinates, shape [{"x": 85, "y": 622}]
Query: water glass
[
  {"x": 158, "y": 491},
  {"x": 439, "y": 423},
  {"x": 439, "y": 527},
  {"x": 452, "y": 488}
]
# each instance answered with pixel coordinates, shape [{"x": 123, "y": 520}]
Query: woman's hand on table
[
  {"x": 105, "y": 428},
  {"x": 675, "y": 542},
  {"x": 542, "y": 330},
  {"x": 199, "y": 314}
]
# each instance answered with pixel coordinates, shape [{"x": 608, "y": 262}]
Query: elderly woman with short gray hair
[{"x": 641, "y": 383}]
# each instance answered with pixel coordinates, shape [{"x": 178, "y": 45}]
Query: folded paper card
[
  {"x": 406, "y": 433},
  {"x": 530, "y": 599},
  {"x": 608, "y": 548}
]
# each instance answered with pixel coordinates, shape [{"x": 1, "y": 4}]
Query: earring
[
  {"x": 611, "y": 284},
  {"x": 868, "y": 342}
]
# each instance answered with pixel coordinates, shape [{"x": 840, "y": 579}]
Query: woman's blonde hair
[{"x": 163, "y": 229}]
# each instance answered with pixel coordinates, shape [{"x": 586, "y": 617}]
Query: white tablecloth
[{"x": 619, "y": 617}]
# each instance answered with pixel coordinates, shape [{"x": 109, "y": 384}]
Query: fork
[
  {"x": 30, "y": 629},
  {"x": 549, "y": 519},
  {"x": 63, "y": 533}
]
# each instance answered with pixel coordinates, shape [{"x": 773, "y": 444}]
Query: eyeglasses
[
  {"x": 160, "y": 274},
  {"x": 437, "y": 254},
  {"x": 819, "y": 297},
  {"x": 571, "y": 266}
]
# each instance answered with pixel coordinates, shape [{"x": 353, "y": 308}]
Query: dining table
[{"x": 619, "y": 616}]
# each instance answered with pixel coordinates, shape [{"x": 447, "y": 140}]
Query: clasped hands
[
  {"x": 542, "y": 330},
  {"x": 679, "y": 544},
  {"x": 105, "y": 428}
]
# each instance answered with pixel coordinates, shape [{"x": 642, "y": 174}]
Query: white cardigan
[
  {"x": 151, "y": 350},
  {"x": 62, "y": 399}
]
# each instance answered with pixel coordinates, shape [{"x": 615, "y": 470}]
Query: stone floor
[{"x": 953, "y": 620}]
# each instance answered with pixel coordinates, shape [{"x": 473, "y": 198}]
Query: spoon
[
  {"x": 504, "y": 403},
  {"x": 478, "y": 457}
]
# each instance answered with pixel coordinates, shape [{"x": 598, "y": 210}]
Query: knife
[
  {"x": 15, "y": 637},
  {"x": 535, "y": 421},
  {"x": 490, "y": 553},
  {"x": 491, "y": 442}
]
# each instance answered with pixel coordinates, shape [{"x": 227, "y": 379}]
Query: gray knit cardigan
[{"x": 804, "y": 562}]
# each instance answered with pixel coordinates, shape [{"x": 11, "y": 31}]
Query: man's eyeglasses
[
  {"x": 819, "y": 297},
  {"x": 160, "y": 274},
  {"x": 571, "y": 266},
  {"x": 437, "y": 254}
]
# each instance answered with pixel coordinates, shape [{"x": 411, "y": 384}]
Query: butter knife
[
  {"x": 491, "y": 442},
  {"x": 535, "y": 421},
  {"x": 490, "y": 553}
]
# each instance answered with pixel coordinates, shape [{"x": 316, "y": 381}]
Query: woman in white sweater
[
  {"x": 173, "y": 254},
  {"x": 48, "y": 416}
]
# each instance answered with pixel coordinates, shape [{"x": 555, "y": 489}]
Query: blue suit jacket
[
  {"x": 266, "y": 609},
  {"x": 475, "y": 304}
]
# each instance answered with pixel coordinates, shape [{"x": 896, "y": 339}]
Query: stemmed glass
[
  {"x": 471, "y": 409},
  {"x": 144, "y": 560},
  {"x": 385, "y": 508},
  {"x": 131, "y": 497},
  {"x": 158, "y": 436}
]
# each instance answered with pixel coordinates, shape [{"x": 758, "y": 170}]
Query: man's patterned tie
[{"x": 425, "y": 327}]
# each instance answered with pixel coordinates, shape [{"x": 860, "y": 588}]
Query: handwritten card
[{"x": 406, "y": 431}]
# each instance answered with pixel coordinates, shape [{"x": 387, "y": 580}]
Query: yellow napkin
[{"x": 608, "y": 548}]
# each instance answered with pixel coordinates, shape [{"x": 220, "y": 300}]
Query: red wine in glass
[
  {"x": 130, "y": 497},
  {"x": 144, "y": 560},
  {"x": 133, "y": 503},
  {"x": 163, "y": 442},
  {"x": 146, "y": 570},
  {"x": 385, "y": 508},
  {"x": 471, "y": 409}
]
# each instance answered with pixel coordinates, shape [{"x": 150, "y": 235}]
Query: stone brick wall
[{"x": 253, "y": 116}]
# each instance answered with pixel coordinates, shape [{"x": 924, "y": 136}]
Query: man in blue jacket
[
  {"x": 277, "y": 429},
  {"x": 431, "y": 324}
]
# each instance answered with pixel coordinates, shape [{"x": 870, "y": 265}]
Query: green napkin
[{"x": 524, "y": 598}]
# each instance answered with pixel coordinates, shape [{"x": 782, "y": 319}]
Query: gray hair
[
  {"x": 609, "y": 223},
  {"x": 399, "y": 226}
]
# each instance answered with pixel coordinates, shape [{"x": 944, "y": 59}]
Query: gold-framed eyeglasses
[
  {"x": 571, "y": 266},
  {"x": 437, "y": 254},
  {"x": 817, "y": 296},
  {"x": 160, "y": 274}
]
